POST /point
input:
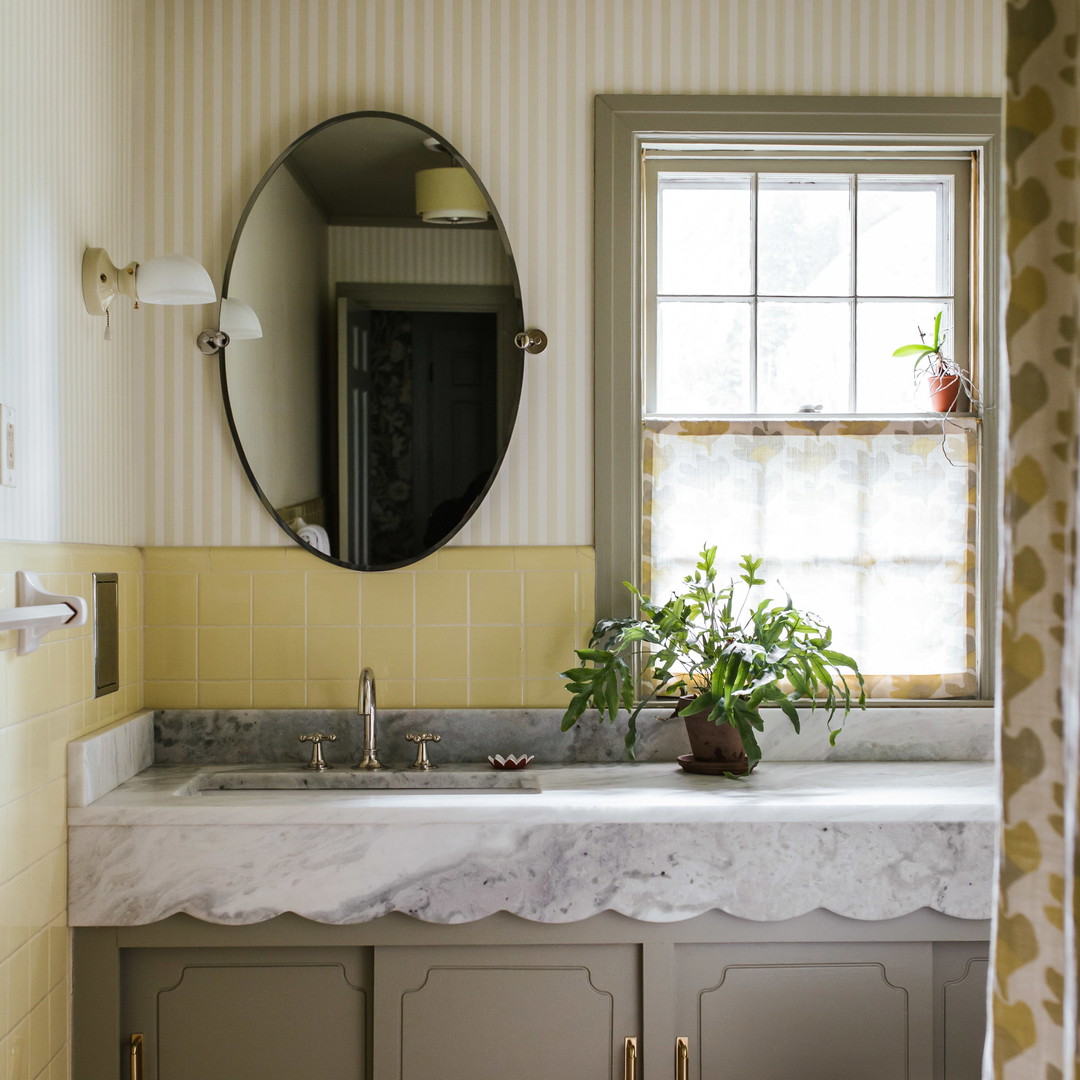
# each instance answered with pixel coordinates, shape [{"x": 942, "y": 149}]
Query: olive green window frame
[{"x": 625, "y": 128}]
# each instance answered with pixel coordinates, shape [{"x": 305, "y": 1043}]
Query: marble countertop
[
  {"x": 867, "y": 840},
  {"x": 625, "y": 793}
]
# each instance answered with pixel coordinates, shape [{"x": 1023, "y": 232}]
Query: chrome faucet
[{"x": 365, "y": 707}]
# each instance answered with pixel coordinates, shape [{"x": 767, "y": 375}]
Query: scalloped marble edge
[{"x": 549, "y": 874}]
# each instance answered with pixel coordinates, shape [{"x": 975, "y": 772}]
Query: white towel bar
[{"x": 39, "y": 612}]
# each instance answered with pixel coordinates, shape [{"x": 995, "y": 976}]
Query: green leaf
[
  {"x": 578, "y": 705},
  {"x": 702, "y": 703},
  {"x": 913, "y": 350},
  {"x": 601, "y": 656}
]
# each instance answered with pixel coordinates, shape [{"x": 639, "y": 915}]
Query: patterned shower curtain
[{"x": 1034, "y": 992}]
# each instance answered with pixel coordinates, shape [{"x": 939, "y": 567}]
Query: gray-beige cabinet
[{"x": 396, "y": 999}]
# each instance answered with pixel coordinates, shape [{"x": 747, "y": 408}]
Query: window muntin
[{"x": 781, "y": 288}]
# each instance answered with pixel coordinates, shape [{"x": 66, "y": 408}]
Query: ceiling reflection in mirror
[{"x": 373, "y": 413}]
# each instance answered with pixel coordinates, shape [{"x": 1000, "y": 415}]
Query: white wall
[{"x": 511, "y": 84}]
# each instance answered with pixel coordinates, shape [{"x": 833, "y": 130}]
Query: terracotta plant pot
[
  {"x": 717, "y": 744},
  {"x": 947, "y": 393}
]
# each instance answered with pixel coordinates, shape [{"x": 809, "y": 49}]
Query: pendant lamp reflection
[{"x": 449, "y": 196}]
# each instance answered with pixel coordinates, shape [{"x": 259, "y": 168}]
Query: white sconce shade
[
  {"x": 173, "y": 279},
  {"x": 239, "y": 321},
  {"x": 170, "y": 279},
  {"x": 449, "y": 196}
]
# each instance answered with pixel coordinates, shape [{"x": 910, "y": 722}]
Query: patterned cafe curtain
[{"x": 1033, "y": 1034}]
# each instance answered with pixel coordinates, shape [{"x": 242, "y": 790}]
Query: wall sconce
[
  {"x": 236, "y": 322},
  {"x": 169, "y": 279},
  {"x": 448, "y": 195}
]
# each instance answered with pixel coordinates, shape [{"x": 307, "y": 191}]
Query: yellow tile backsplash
[
  {"x": 486, "y": 627},
  {"x": 46, "y": 699}
]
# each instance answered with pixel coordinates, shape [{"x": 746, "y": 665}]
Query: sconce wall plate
[{"x": 102, "y": 282}]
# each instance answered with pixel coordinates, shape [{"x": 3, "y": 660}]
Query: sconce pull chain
[{"x": 108, "y": 325}]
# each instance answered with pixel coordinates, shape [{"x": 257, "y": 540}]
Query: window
[{"x": 776, "y": 266}]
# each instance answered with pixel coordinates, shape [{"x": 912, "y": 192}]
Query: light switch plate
[{"x": 7, "y": 446}]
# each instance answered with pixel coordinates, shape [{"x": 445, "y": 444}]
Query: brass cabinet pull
[
  {"x": 629, "y": 1069},
  {"x": 135, "y": 1057},
  {"x": 682, "y": 1058}
]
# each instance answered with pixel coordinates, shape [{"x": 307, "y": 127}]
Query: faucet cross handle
[
  {"x": 421, "y": 741},
  {"x": 317, "y": 739}
]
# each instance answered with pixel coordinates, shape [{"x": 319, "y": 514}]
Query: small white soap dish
[{"x": 511, "y": 761}]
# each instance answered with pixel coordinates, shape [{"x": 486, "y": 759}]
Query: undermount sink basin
[{"x": 296, "y": 778}]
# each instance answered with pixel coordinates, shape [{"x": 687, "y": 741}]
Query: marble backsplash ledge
[
  {"x": 238, "y": 736},
  {"x": 106, "y": 758}
]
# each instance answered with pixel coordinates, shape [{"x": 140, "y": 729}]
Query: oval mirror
[{"x": 374, "y": 410}]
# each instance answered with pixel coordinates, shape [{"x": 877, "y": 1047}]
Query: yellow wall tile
[
  {"x": 442, "y": 694},
  {"x": 224, "y": 599},
  {"x": 494, "y": 653},
  {"x": 248, "y": 558},
  {"x": 278, "y": 694},
  {"x": 545, "y": 558},
  {"x": 387, "y": 599},
  {"x": 549, "y": 650},
  {"x": 476, "y": 558},
  {"x": 494, "y": 597},
  {"x": 176, "y": 558},
  {"x": 441, "y": 599},
  {"x": 169, "y": 653},
  {"x": 550, "y": 597},
  {"x": 397, "y": 694},
  {"x": 388, "y": 651},
  {"x": 496, "y": 694},
  {"x": 442, "y": 652},
  {"x": 279, "y": 599},
  {"x": 227, "y": 694},
  {"x": 333, "y": 693},
  {"x": 333, "y": 599},
  {"x": 171, "y": 695},
  {"x": 171, "y": 599},
  {"x": 279, "y": 652},
  {"x": 224, "y": 652},
  {"x": 333, "y": 652}
]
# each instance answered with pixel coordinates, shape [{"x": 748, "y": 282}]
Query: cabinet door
[
  {"x": 546, "y": 1012},
  {"x": 248, "y": 1013},
  {"x": 840, "y": 1011},
  {"x": 961, "y": 971}
]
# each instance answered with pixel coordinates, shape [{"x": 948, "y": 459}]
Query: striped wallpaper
[
  {"x": 378, "y": 254},
  {"x": 229, "y": 83},
  {"x": 66, "y": 182}
]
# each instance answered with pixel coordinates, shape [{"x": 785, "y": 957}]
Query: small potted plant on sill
[
  {"x": 949, "y": 385},
  {"x": 724, "y": 657}
]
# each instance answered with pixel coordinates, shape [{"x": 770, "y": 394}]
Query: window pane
[
  {"x": 904, "y": 236},
  {"x": 703, "y": 357},
  {"x": 886, "y": 383},
  {"x": 804, "y": 236},
  {"x": 705, "y": 238},
  {"x": 804, "y": 356}
]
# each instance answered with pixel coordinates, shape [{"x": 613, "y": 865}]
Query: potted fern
[{"x": 724, "y": 656}]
